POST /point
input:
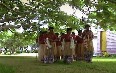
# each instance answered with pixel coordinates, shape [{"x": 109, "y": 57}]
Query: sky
[{"x": 68, "y": 9}]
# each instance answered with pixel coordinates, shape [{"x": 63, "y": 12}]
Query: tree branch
[{"x": 5, "y": 6}]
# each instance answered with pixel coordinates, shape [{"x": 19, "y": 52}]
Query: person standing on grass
[
  {"x": 42, "y": 46},
  {"x": 88, "y": 44},
  {"x": 52, "y": 39},
  {"x": 74, "y": 38},
  {"x": 62, "y": 45},
  {"x": 67, "y": 46},
  {"x": 58, "y": 46},
  {"x": 79, "y": 46}
]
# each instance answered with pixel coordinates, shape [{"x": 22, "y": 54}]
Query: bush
[
  {"x": 18, "y": 51},
  {"x": 113, "y": 55},
  {"x": 105, "y": 54}
]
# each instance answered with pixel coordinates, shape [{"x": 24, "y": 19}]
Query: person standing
[
  {"x": 67, "y": 46},
  {"x": 58, "y": 46},
  {"x": 42, "y": 46},
  {"x": 52, "y": 39},
  {"x": 73, "y": 49},
  {"x": 62, "y": 44},
  {"x": 88, "y": 44},
  {"x": 79, "y": 51}
]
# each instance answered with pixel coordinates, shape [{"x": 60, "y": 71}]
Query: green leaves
[
  {"x": 15, "y": 40},
  {"x": 48, "y": 12}
]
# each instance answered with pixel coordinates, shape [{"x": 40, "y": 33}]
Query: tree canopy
[{"x": 15, "y": 14}]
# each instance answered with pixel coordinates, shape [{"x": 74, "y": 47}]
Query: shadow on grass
[
  {"x": 31, "y": 65},
  {"x": 6, "y": 69}
]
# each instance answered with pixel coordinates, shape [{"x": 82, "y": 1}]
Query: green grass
[
  {"x": 6, "y": 69},
  {"x": 31, "y": 65}
]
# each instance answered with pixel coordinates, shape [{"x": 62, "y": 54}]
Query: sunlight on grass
[{"x": 104, "y": 60}]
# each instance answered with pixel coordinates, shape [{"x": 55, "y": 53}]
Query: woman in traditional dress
[
  {"x": 79, "y": 46},
  {"x": 58, "y": 47},
  {"x": 62, "y": 44},
  {"x": 52, "y": 39},
  {"x": 88, "y": 44},
  {"x": 73, "y": 49},
  {"x": 42, "y": 46},
  {"x": 67, "y": 46}
]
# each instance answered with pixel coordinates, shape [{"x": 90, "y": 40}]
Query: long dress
[
  {"x": 88, "y": 45},
  {"x": 52, "y": 39},
  {"x": 79, "y": 51},
  {"x": 58, "y": 48},
  {"x": 42, "y": 52},
  {"x": 68, "y": 46}
]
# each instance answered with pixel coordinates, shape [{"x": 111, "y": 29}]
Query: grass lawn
[
  {"x": 31, "y": 65},
  {"x": 6, "y": 69}
]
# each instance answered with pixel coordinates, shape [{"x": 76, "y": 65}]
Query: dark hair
[
  {"x": 69, "y": 29},
  {"x": 87, "y": 25},
  {"x": 56, "y": 33},
  {"x": 79, "y": 31},
  {"x": 44, "y": 32},
  {"x": 51, "y": 28},
  {"x": 62, "y": 33},
  {"x": 73, "y": 32}
]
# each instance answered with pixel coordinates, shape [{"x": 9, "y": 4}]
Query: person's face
[
  {"x": 51, "y": 30},
  {"x": 87, "y": 28},
  {"x": 57, "y": 35},
  {"x": 45, "y": 33},
  {"x": 73, "y": 33},
  {"x": 69, "y": 32},
  {"x": 80, "y": 33}
]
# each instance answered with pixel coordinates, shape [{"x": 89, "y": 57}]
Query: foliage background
[{"x": 15, "y": 14}]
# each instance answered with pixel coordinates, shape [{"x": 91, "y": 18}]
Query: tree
[{"x": 15, "y": 14}]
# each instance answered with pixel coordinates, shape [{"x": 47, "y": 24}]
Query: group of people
[{"x": 66, "y": 46}]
